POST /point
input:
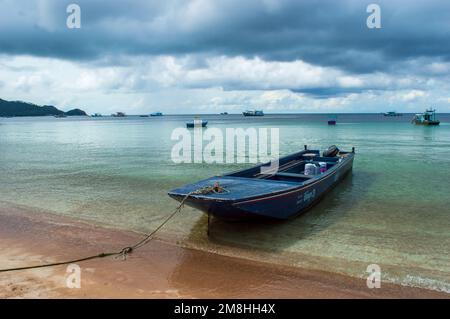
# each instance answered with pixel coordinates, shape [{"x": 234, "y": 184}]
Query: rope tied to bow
[{"x": 124, "y": 252}]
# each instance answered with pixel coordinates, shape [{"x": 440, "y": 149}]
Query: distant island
[
  {"x": 19, "y": 108},
  {"x": 76, "y": 112}
]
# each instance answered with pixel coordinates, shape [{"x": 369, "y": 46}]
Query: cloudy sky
[{"x": 212, "y": 56}]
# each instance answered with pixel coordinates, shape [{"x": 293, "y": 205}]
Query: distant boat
[
  {"x": 426, "y": 118},
  {"x": 392, "y": 113},
  {"x": 96, "y": 115},
  {"x": 118, "y": 114},
  {"x": 332, "y": 119},
  {"x": 224, "y": 113},
  {"x": 298, "y": 183},
  {"x": 253, "y": 113},
  {"x": 196, "y": 123},
  {"x": 60, "y": 115},
  {"x": 156, "y": 114}
]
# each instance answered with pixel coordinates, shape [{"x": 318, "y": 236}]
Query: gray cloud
[
  {"x": 146, "y": 46},
  {"x": 329, "y": 33}
]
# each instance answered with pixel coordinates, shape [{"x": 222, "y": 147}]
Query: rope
[{"x": 216, "y": 188}]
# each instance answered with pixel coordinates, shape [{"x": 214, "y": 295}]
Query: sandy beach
[{"x": 158, "y": 270}]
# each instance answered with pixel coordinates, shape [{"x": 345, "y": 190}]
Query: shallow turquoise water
[{"x": 393, "y": 211}]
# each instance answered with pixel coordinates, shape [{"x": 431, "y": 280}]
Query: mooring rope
[{"x": 216, "y": 188}]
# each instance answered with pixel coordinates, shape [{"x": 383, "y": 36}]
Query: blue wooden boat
[{"x": 279, "y": 194}]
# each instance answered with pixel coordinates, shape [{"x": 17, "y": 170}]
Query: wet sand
[{"x": 158, "y": 270}]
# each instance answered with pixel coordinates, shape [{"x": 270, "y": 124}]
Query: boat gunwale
[{"x": 301, "y": 187}]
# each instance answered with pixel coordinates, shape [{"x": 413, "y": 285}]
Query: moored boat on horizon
[
  {"x": 392, "y": 114},
  {"x": 426, "y": 118},
  {"x": 196, "y": 123},
  {"x": 253, "y": 113},
  {"x": 332, "y": 120},
  {"x": 300, "y": 180},
  {"x": 119, "y": 114}
]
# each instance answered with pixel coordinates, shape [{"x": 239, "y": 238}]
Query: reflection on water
[
  {"x": 429, "y": 132},
  {"x": 278, "y": 235},
  {"x": 394, "y": 210}
]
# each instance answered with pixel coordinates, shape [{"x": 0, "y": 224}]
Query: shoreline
[{"x": 157, "y": 270}]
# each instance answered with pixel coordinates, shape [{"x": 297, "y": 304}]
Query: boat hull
[
  {"x": 427, "y": 123},
  {"x": 282, "y": 205},
  {"x": 293, "y": 203},
  {"x": 192, "y": 125}
]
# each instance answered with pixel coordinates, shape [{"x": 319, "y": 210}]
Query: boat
[
  {"x": 196, "y": 123},
  {"x": 156, "y": 114},
  {"x": 426, "y": 118},
  {"x": 118, "y": 114},
  {"x": 96, "y": 115},
  {"x": 392, "y": 114},
  {"x": 332, "y": 119},
  {"x": 280, "y": 193},
  {"x": 253, "y": 113},
  {"x": 224, "y": 113}
]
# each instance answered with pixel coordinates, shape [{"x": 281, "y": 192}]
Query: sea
[{"x": 392, "y": 211}]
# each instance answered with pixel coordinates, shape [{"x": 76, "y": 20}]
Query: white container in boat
[
  {"x": 317, "y": 169},
  {"x": 310, "y": 169},
  {"x": 322, "y": 167}
]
